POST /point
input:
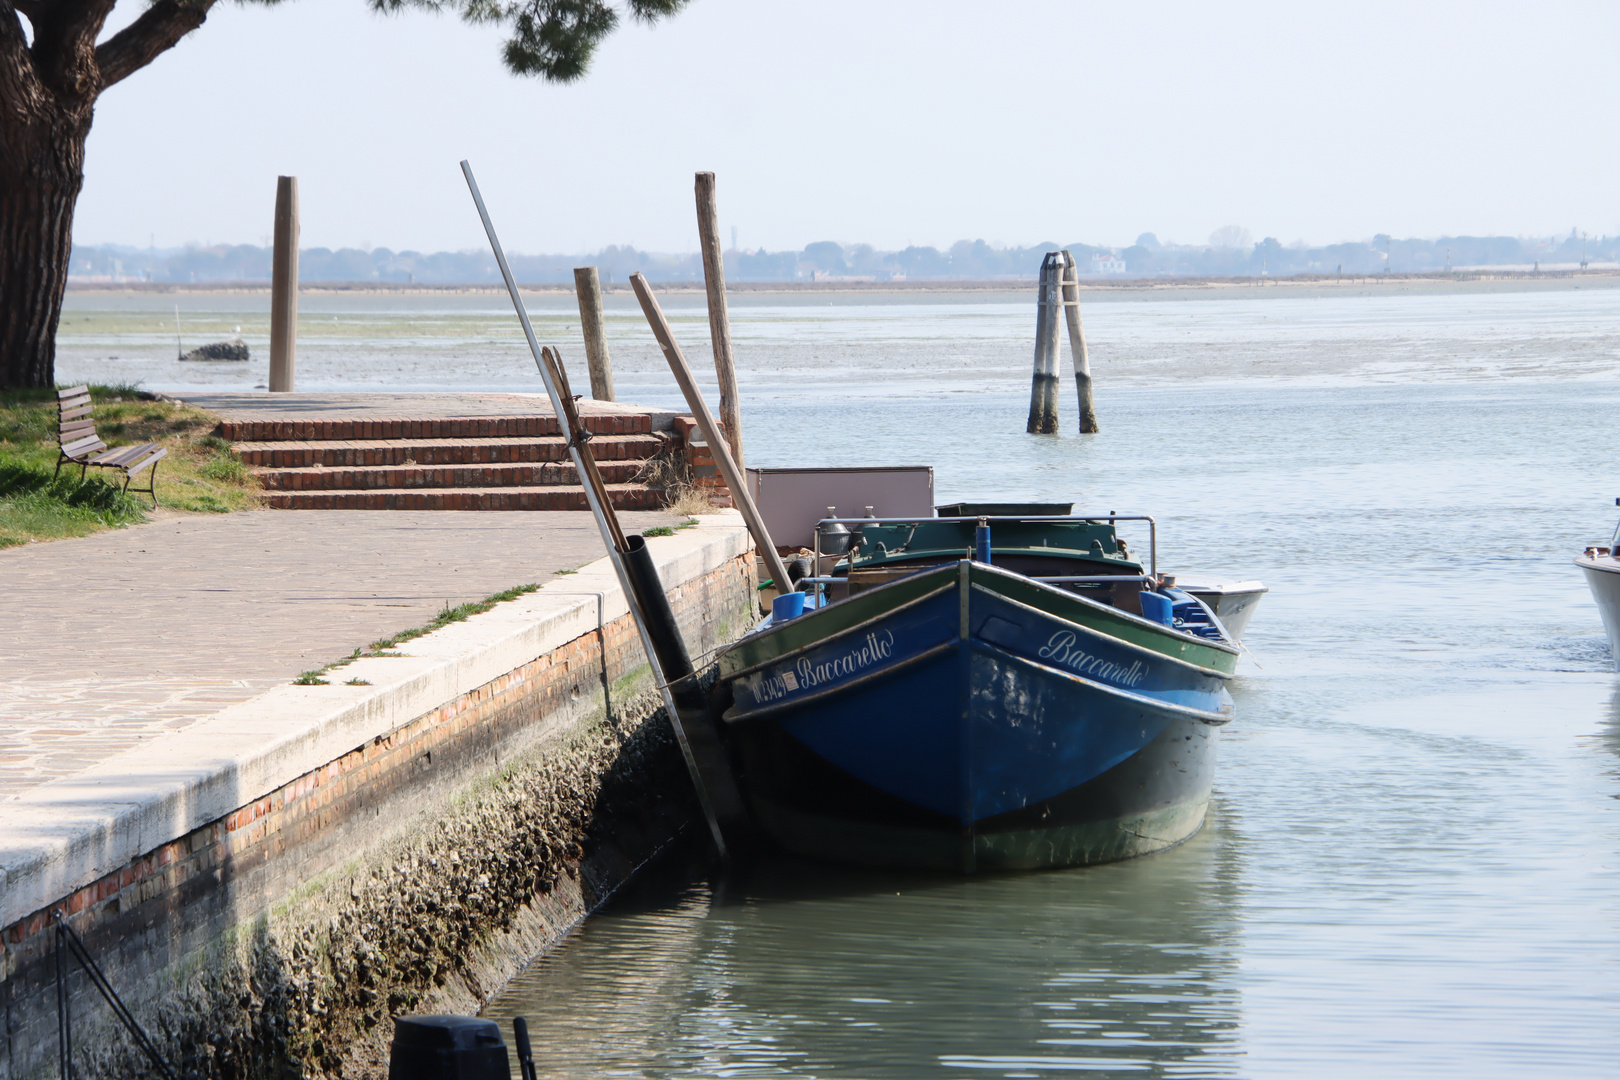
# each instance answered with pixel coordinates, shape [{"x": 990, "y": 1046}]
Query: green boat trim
[
  {"x": 1127, "y": 627},
  {"x": 851, "y": 614},
  {"x": 827, "y": 639},
  {"x": 817, "y": 626}
]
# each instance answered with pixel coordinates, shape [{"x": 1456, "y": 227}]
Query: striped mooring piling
[
  {"x": 1077, "y": 345},
  {"x": 1059, "y": 290},
  {"x": 1043, "y": 390}
]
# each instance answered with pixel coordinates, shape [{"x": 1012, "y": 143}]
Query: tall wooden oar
[
  {"x": 705, "y": 760},
  {"x": 711, "y": 431}
]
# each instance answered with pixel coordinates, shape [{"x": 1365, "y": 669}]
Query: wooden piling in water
[
  {"x": 588, "y": 287},
  {"x": 284, "y": 288},
  {"x": 1077, "y": 344},
  {"x": 1043, "y": 391},
  {"x": 714, "y": 278}
]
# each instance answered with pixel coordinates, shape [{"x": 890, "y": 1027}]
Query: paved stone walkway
[{"x": 120, "y": 636}]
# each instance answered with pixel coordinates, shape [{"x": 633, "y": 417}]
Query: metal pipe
[{"x": 609, "y": 528}]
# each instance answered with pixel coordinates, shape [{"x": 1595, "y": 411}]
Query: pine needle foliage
[{"x": 554, "y": 39}]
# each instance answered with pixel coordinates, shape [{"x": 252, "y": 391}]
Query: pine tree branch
[
  {"x": 64, "y": 49},
  {"x": 155, "y": 32}
]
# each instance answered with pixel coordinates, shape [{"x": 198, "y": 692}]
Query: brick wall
[
  {"x": 414, "y": 873},
  {"x": 700, "y": 461}
]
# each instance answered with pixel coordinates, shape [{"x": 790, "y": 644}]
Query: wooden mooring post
[
  {"x": 1043, "y": 391},
  {"x": 714, "y": 277},
  {"x": 589, "y": 289},
  {"x": 284, "y": 288},
  {"x": 1077, "y": 344}
]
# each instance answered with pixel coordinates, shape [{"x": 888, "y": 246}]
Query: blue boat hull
[{"x": 969, "y": 731}]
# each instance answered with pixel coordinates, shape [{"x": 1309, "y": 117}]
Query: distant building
[{"x": 1107, "y": 263}]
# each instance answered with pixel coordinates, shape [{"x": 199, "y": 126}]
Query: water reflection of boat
[
  {"x": 811, "y": 970},
  {"x": 1601, "y": 565},
  {"x": 1041, "y": 702}
]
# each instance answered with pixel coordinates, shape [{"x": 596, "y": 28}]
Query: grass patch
[
  {"x": 200, "y": 474},
  {"x": 688, "y": 500},
  {"x": 36, "y": 506},
  {"x": 382, "y": 646},
  {"x": 658, "y": 530}
]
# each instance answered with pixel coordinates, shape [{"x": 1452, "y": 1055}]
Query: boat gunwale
[
  {"x": 1213, "y": 719},
  {"x": 1220, "y": 646},
  {"x": 835, "y": 635},
  {"x": 1214, "y": 673},
  {"x": 732, "y": 716}
]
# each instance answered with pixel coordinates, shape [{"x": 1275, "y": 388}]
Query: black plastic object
[
  {"x": 696, "y": 726},
  {"x": 665, "y": 632},
  {"x": 520, "y": 1034},
  {"x": 447, "y": 1048}
]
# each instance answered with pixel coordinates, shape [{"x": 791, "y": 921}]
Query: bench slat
[
  {"x": 83, "y": 447},
  {"x": 76, "y": 403},
  {"x": 147, "y": 462},
  {"x": 73, "y": 391},
  {"x": 74, "y": 428},
  {"x": 76, "y": 411},
  {"x": 121, "y": 456}
]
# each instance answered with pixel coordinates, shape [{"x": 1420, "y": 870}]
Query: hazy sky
[{"x": 890, "y": 122}]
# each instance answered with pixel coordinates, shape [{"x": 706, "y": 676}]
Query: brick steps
[
  {"x": 370, "y": 478},
  {"x": 466, "y": 463},
  {"x": 470, "y": 427},
  {"x": 570, "y": 497},
  {"x": 358, "y": 453}
]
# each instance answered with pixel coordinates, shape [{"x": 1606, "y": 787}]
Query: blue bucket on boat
[
  {"x": 1158, "y": 608},
  {"x": 791, "y": 606}
]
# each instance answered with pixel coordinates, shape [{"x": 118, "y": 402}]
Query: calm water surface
[{"x": 1412, "y": 866}]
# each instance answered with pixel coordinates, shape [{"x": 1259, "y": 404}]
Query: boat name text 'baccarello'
[
  {"x": 808, "y": 674},
  {"x": 1060, "y": 649}
]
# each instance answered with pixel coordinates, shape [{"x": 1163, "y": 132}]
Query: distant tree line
[{"x": 1230, "y": 253}]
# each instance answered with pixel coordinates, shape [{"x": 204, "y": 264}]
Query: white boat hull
[
  {"x": 1233, "y": 602},
  {"x": 1603, "y": 578}
]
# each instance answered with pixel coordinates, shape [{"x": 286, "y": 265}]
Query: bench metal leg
[{"x": 151, "y": 484}]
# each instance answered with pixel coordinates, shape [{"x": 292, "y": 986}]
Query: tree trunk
[{"x": 41, "y": 173}]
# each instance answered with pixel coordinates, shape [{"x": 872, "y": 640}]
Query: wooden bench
[{"x": 81, "y": 446}]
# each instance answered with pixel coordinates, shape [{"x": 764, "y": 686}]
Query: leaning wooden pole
[
  {"x": 714, "y": 279},
  {"x": 703, "y": 763},
  {"x": 1077, "y": 344},
  {"x": 1043, "y": 389},
  {"x": 284, "y": 288},
  {"x": 729, "y": 468},
  {"x": 589, "y": 289}
]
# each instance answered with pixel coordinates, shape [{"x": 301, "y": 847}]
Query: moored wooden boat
[{"x": 952, "y": 709}]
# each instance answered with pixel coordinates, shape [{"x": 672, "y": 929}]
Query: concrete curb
[{"x": 64, "y": 835}]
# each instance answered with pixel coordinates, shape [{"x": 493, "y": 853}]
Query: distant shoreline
[{"x": 1299, "y": 285}]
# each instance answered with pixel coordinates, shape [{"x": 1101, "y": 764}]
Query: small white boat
[
  {"x": 1232, "y": 601},
  {"x": 1602, "y": 570}
]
